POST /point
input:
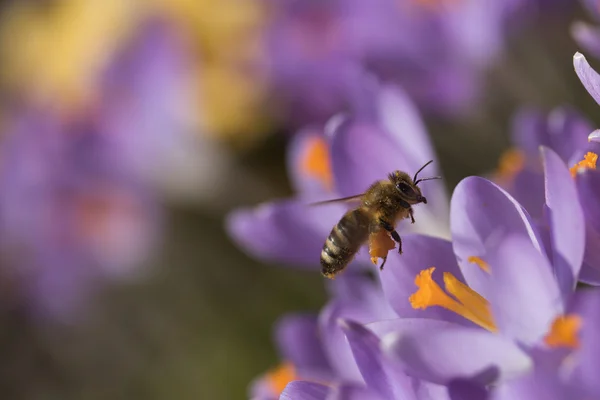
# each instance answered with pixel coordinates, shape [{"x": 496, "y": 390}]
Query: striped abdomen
[{"x": 344, "y": 241}]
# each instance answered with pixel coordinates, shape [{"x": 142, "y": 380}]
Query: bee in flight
[{"x": 381, "y": 206}]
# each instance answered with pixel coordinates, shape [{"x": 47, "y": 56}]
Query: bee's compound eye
[{"x": 404, "y": 188}]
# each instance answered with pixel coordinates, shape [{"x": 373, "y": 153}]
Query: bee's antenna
[
  {"x": 421, "y": 169},
  {"x": 427, "y": 179}
]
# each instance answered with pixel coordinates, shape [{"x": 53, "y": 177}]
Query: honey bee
[{"x": 381, "y": 206}]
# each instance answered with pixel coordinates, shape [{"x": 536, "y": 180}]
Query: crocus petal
[
  {"x": 368, "y": 306},
  {"x": 401, "y": 119},
  {"x": 527, "y": 187},
  {"x": 355, "y": 392},
  {"x": 564, "y": 130},
  {"x": 466, "y": 390},
  {"x": 592, "y": 8},
  {"x": 589, "y": 275},
  {"x": 588, "y": 185},
  {"x": 444, "y": 355},
  {"x": 397, "y": 278},
  {"x": 588, "y": 76},
  {"x": 355, "y": 141},
  {"x": 298, "y": 342},
  {"x": 284, "y": 231},
  {"x": 367, "y": 353},
  {"x": 533, "y": 386},
  {"x": 408, "y": 325},
  {"x": 565, "y": 217},
  {"x": 336, "y": 345},
  {"x": 587, "y": 36},
  {"x": 302, "y": 390},
  {"x": 588, "y": 356},
  {"x": 594, "y": 136},
  {"x": 524, "y": 297},
  {"x": 481, "y": 215}
]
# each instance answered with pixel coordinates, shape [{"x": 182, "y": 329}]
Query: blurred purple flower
[
  {"x": 572, "y": 138},
  {"x": 69, "y": 212},
  {"x": 148, "y": 107},
  {"x": 520, "y": 172},
  {"x": 78, "y": 201},
  {"x": 299, "y": 345},
  {"x": 386, "y": 135},
  {"x": 317, "y": 50},
  {"x": 585, "y": 34}
]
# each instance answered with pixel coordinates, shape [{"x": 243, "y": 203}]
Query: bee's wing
[{"x": 355, "y": 198}]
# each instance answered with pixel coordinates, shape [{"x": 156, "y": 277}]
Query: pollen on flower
[
  {"x": 466, "y": 302},
  {"x": 588, "y": 162},
  {"x": 482, "y": 264},
  {"x": 316, "y": 162},
  {"x": 380, "y": 243},
  {"x": 279, "y": 377},
  {"x": 564, "y": 331},
  {"x": 511, "y": 162}
]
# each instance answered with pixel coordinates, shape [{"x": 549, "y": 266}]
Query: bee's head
[{"x": 408, "y": 188}]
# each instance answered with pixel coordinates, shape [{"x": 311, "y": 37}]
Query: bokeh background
[{"x": 129, "y": 129}]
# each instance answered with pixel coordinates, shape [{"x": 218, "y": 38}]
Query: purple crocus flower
[
  {"x": 69, "y": 213},
  {"x": 573, "y": 376},
  {"x": 78, "y": 194},
  {"x": 513, "y": 293},
  {"x": 317, "y": 50},
  {"x": 353, "y": 153},
  {"x": 588, "y": 35},
  {"x": 500, "y": 273},
  {"x": 147, "y": 109},
  {"x": 335, "y": 355},
  {"x": 520, "y": 170},
  {"x": 566, "y": 132},
  {"x": 299, "y": 344},
  {"x": 587, "y": 178}
]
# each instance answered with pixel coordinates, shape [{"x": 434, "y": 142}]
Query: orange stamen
[
  {"x": 316, "y": 163},
  {"x": 588, "y": 162},
  {"x": 564, "y": 332},
  {"x": 482, "y": 264},
  {"x": 466, "y": 302},
  {"x": 511, "y": 162},
  {"x": 380, "y": 244},
  {"x": 279, "y": 377}
]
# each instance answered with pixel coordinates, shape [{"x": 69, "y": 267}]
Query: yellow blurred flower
[
  {"x": 54, "y": 53},
  {"x": 233, "y": 86}
]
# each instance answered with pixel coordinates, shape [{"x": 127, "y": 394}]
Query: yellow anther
[
  {"x": 466, "y": 302},
  {"x": 588, "y": 162},
  {"x": 482, "y": 264},
  {"x": 511, "y": 162},
  {"x": 279, "y": 377},
  {"x": 564, "y": 332},
  {"x": 316, "y": 162}
]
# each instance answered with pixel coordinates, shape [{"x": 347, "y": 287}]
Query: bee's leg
[
  {"x": 383, "y": 263},
  {"x": 388, "y": 227},
  {"x": 412, "y": 215}
]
